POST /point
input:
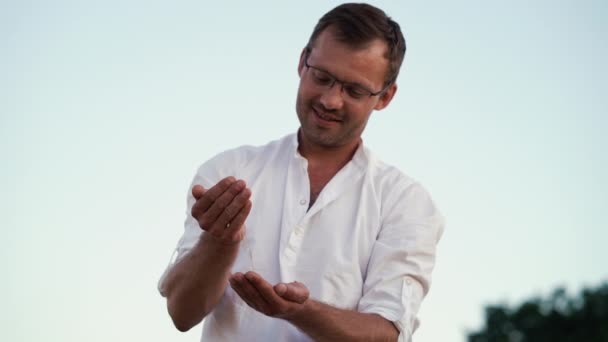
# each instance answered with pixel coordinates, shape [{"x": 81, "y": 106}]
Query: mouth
[{"x": 324, "y": 116}]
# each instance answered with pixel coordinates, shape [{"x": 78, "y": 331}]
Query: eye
[
  {"x": 356, "y": 91},
  {"x": 321, "y": 77}
]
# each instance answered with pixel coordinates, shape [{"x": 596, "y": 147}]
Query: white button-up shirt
[{"x": 366, "y": 244}]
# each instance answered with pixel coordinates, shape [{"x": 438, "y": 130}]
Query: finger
[
  {"x": 198, "y": 191},
  {"x": 220, "y": 204},
  {"x": 233, "y": 209},
  {"x": 244, "y": 298},
  {"x": 255, "y": 296},
  {"x": 265, "y": 290},
  {"x": 234, "y": 284},
  {"x": 236, "y": 277},
  {"x": 294, "y": 292},
  {"x": 209, "y": 196},
  {"x": 249, "y": 293},
  {"x": 208, "y": 218},
  {"x": 237, "y": 227}
]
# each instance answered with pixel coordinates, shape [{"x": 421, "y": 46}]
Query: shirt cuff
[{"x": 403, "y": 316}]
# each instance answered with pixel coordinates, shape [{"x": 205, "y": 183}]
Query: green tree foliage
[{"x": 560, "y": 318}]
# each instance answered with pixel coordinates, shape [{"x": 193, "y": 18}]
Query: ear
[
  {"x": 386, "y": 98},
  {"x": 301, "y": 63}
]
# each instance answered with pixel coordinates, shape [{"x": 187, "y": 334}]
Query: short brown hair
[{"x": 358, "y": 24}]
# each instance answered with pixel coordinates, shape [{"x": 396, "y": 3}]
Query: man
[{"x": 311, "y": 237}]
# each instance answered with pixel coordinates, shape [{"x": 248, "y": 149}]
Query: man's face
[{"x": 329, "y": 116}]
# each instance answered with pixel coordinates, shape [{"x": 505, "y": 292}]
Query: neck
[{"x": 328, "y": 157}]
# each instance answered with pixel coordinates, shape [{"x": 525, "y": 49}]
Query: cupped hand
[
  {"x": 281, "y": 300},
  {"x": 222, "y": 209}
]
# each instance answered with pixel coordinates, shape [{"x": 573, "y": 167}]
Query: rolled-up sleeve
[
  {"x": 399, "y": 270},
  {"x": 207, "y": 175},
  {"x": 188, "y": 240}
]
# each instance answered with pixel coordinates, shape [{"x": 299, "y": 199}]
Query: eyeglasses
[{"x": 354, "y": 91}]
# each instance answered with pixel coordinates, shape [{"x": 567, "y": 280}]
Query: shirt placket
[{"x": 297, "y": 193}]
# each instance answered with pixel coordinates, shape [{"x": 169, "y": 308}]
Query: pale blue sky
[{"x": 107, "y": 108}]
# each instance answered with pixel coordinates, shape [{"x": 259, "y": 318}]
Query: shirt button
[
  {"x": 302, "y": 201},
  {"x": 407, "y": 281}
]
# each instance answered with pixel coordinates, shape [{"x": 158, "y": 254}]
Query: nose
[{"x": 331, "y": 98}]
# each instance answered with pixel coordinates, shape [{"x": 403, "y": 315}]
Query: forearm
[
  {"x": 196, "y": 283},
  {"x": 323, "y": 322}
]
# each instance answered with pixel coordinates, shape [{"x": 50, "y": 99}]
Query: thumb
[
  {"x": 294, "y": 291},
  {"x": 198, "y": 191}
]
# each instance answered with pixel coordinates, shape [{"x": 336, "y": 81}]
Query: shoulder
[
  {"x": 237, "y": 160},
  {"x": 385, "y": 176},
  {"x": 246, "y": 153},
  {"x": 396, "y": 190}
]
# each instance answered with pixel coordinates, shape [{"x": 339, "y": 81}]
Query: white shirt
[{"x": 366, "y": 244}]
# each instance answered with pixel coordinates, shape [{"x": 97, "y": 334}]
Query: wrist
[
  {"x": 304, "y": 311},
  {"x": 209, "y": 244},
  {"x": 209, "y": 239}
]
